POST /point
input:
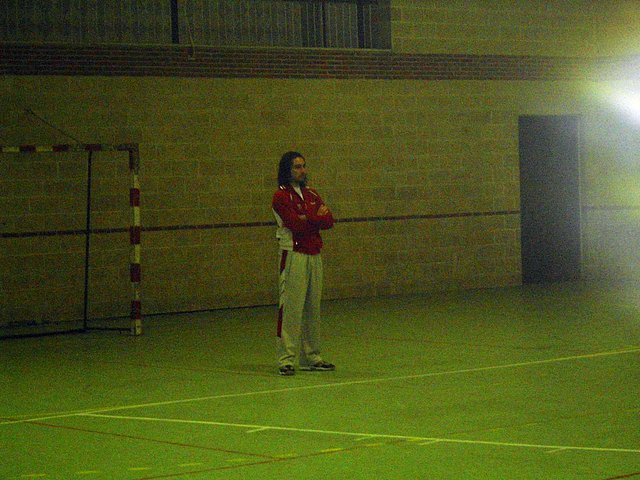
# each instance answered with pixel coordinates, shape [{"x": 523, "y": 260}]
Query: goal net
[{"x": 65, "y": 230}]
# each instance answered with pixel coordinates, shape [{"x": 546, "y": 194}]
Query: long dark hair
[{"x": 284, "y": 168}]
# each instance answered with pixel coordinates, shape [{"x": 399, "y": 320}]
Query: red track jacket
[{"x": 293, "y": 232}]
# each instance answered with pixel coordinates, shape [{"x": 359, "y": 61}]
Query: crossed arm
[
  {"x": 321, "y": 219},
  {"x": 322, "y": 211}
]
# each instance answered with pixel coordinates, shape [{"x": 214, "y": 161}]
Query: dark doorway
[{"x": 549, "y": 198}]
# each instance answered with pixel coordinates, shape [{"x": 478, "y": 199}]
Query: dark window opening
[{"x": 261, "y": 23}]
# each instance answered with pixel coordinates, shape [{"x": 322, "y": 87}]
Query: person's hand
[
  {"x": 323, "y": 210},
  {"x": 302, "y": 217}
]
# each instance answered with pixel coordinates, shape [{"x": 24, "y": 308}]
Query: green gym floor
[{"x": 538, "y": 382}]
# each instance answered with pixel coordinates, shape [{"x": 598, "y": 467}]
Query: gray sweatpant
[{"x": 299, "y": 313}]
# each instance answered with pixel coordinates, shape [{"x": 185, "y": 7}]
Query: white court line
[
  {"x": 557, "y": 450},
  {"x": 325, "y": 385},
  {"x": 258, "y": 430},
  {"x": 368, "y": 435},
  {"x": 431, "y": 442}
]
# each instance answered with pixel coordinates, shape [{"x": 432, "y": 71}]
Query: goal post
[{"x": 134, "y": 229}]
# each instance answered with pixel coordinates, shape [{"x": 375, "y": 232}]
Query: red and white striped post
[{"x": 135, "y": 231}]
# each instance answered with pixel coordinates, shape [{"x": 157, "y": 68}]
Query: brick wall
[
  {"x": 583, "y": 28},
  {"x": 616, "y": 24},
  {"x": 422, "y": 176}
]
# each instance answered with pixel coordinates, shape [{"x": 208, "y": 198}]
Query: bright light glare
[
  {"x": 624, "y": 97},
  {"x": 628, "y": 102}
]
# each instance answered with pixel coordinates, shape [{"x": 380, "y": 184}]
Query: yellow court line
[
  {"x": 371, "y": 435},
  {"x": 328, "y": 385}
]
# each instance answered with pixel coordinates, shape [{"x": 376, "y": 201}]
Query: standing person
[{"x": 300, "y": 214}]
